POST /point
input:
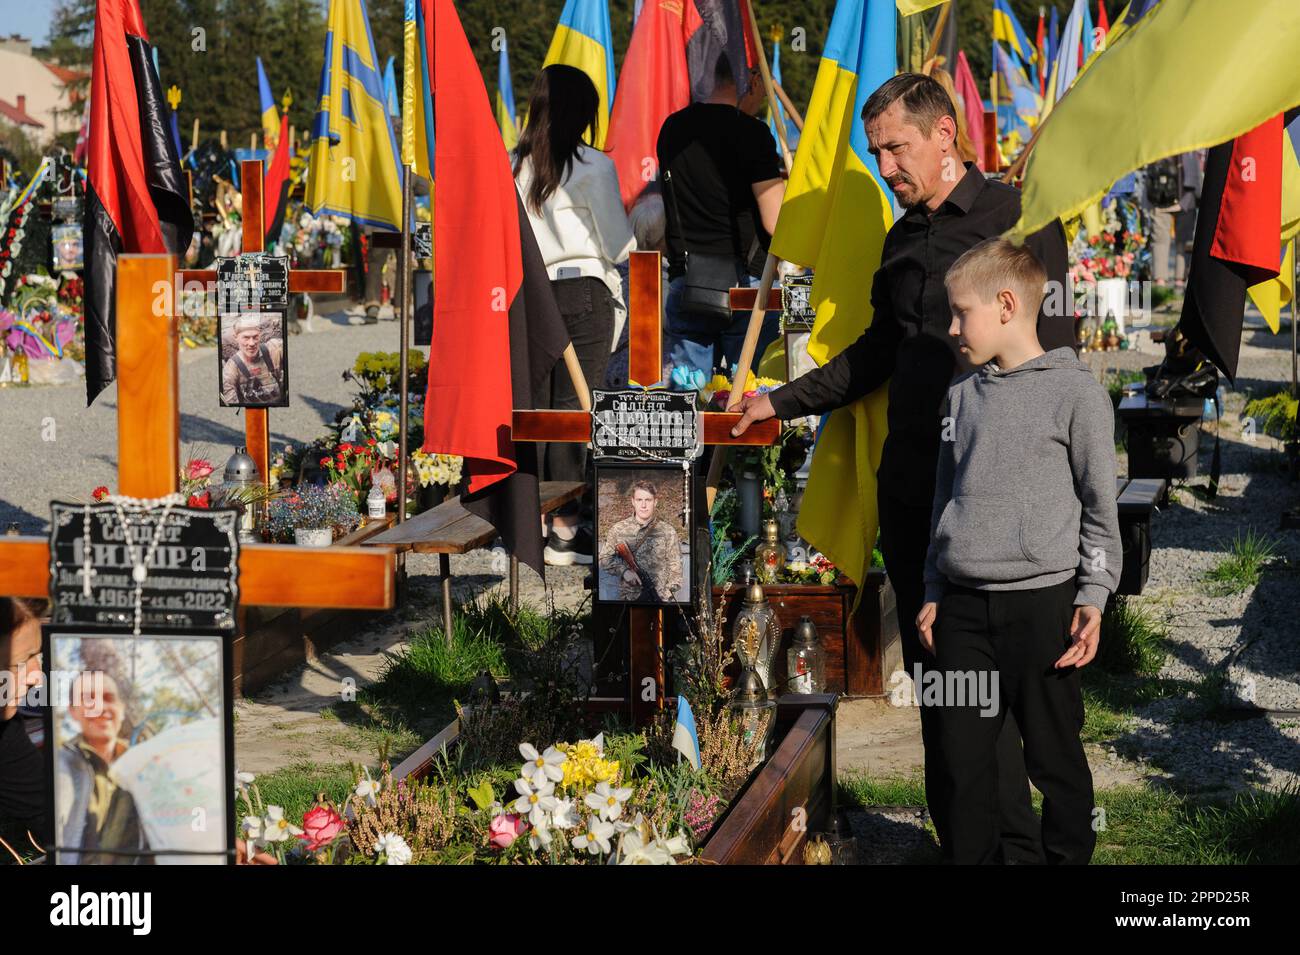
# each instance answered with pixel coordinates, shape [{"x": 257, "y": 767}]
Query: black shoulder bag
[{"x": 706, "y": 295}]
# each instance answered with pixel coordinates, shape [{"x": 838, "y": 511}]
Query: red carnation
[
  {"x": 200, "y": 500},
  {"x": 99, "y": 493}
]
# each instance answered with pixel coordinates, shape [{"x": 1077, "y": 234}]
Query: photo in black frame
[
  {"x": 644, "y": 518},
  {"x": 139, "y": 748},
  {"x": 253, "y": 360}
]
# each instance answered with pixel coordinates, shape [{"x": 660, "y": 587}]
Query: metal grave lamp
[
  {"x": 757, "y": 633},
  {"x": 755, "y": 711},
  {"x": 240, "y": 485}
]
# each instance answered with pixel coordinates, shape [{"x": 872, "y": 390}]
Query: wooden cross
[
  {"x": 257, "y": 434},
  {"x": 148, "y": 458},
  {"x": 645, "y": 368}
]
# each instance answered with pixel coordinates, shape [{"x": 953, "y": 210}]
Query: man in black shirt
[
  {"x": 911, "y": 126},
  {"x": 722, "y": 197}
]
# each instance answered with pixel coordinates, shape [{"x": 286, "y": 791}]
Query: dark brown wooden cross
[
  {"x": 257, "y": 434},
  {"x": 645, "y": 368},
  {"x": 149, "y": 462}
]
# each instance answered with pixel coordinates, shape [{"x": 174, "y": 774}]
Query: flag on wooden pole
[
  {"x": 270, "y": 115},
  {"x": 136, "y": 197},
  {"x": 583, "y": 39},
  {"x": 497, "y": 332}
]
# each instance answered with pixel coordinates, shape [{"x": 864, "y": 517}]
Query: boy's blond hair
[{"x": 996, "y": 264}]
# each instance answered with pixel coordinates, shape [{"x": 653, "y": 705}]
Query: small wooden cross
[
  {"x": 257, "y": 434},
  {"x": 645, "y": 368},
  {"x": 148, "y": 462}
]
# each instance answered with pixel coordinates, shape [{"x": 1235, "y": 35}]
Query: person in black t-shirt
[
  {"x": 22, "y": 770},
  {"x": 722, "y": 198}
]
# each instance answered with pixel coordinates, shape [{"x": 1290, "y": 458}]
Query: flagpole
[
  {"x": 404, "y": 299},
  {"x": 767, "y": 83},
  {"x": 789, "y": 106}
]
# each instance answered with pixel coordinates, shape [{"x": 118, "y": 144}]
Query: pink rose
[
  {"x": 505, "y": 829},
  {"x": 198, "y": 468},
  {"x": 321, "y": 825}
]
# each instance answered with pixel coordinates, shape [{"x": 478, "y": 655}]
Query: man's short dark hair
[
  {"x": 924, "y": 100},
  {"x": 643, "y": 486},
  {"x": 722, "y": 75}
]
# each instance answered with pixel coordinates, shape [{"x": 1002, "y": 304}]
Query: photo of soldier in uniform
[
  {"x": 139, "y": 763},
  {"x": 254, "y": 366},
  {"x": 644, "y": 555}
]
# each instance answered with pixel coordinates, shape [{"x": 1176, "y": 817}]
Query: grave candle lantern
[
  {"x": 239, "y": 482},
  {"x": 757, "y": 633}
]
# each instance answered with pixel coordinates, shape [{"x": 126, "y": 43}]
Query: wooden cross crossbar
[
  {"x": 257, "y": 433},
  {"x": 645, "y": 368},
  {"x": 148, "y": 455}
]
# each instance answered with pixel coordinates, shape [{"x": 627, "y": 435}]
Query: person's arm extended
[
  {"x": 769, "y": 194},
  {"x": 1092, "y": 461},
  {"x": 1054, "y": 330},
  {"x": 858, "y": 370}
]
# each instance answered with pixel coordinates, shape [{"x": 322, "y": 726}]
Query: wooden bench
[
  {"x": 1136, "y": 499},
  {"x": 450, "y": 529}
]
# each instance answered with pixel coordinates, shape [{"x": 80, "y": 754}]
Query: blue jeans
[{"x": 687, "y": 344}]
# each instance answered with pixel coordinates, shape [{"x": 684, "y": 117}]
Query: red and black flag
[
  {"x": 275, "y": 185},
  {"x": 497, "y": 332},
  {"x": 1236, "y": 240},
  {"x": 135, "y": 192}
]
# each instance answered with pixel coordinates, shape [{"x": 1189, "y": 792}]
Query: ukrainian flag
[
  {"x": 354, "y": 159},
  {"x": 270, "y": 115},
  {"x": 1008, "y": 29},
  {"x": 834, "y": 218},
  {"x": 584, "y": 40},
  {"x": 505, "y": 105}
]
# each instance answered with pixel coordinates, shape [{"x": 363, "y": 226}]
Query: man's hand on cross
[{"x": 754, "y": 408}]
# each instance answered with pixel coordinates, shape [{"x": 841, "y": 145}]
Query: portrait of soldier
[
  {"x": 95, "y": 813},
  {"x": 254, "y": 374},
  {"x": 642, "y": 552}
]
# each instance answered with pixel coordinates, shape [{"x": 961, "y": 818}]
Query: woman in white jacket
[{"x": 570, "y": 191}]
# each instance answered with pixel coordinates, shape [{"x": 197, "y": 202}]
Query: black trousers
[
  {"x": 1015, "y": 637},
  {"x": 904, "y": 540},
  {"x": 588, "y": 310}
]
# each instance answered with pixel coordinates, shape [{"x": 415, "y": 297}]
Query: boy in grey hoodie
[{"x": 1024, "y": 552}]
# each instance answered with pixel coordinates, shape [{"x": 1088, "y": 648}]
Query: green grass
[
  {"x": 295, "y": 787},
  {"x": 1140, "y": 825},
  {"x": 857, "y": 788},
  {"x": 1132, "y": 641},
  {"x": 1244, "y": 565}
]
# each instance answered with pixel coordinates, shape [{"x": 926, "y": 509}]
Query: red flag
[
  {"x": 1103, "y": 21},
  {"x": 653, "y": 84},
  {"x": 1236, "y": 240},
  {"x": 972, "y": 105},
  {"x": 496, "y": 330},
  {"x": 136, "y": 198},
  {"x": 275, "y": 184},
  {"x": 1041, "y": 42}
]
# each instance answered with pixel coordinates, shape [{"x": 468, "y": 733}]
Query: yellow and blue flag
[
  {"x": 1008, "y": 29},
  {"x": 270, "y": 115},
  {"x": 505, "y": 104},
  {"x": 583, "y": 39},
  {"x": 685, "y": 739},
  {"x": 392, "y": 102},
  {"x": 354, "y": 159},
  {"x": 834, "y": 218}
]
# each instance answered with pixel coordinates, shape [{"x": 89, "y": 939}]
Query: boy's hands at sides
[
  {"x": 925, "y": 624},
  {"x": 1085, "y": 631}
]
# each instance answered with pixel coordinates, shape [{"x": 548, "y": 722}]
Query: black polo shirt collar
[{"x": 962, "y": 197}]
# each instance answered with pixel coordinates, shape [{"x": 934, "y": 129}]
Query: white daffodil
[
  {"x": 608, "y": 801},
  {"x": 539, "y": 836},
  {"x": 393, "y": 849},
  {"x": 539, "y": 767},
  {"x": 252, "y": 828},
  {"x": 276, "y": 828},
  {"x": 596, "y": 837},
  {"x": 633, "y": 850},
  {"x": 368, "y": 789},
  {"x": 535, "y": 801},
  {"x": 243, "y": 779},
  {"x": 563, "y": 815}
]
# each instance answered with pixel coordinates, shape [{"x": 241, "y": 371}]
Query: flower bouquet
[{"x": 312, "y": 515}]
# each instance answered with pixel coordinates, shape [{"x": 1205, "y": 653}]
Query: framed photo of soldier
[
  {"x": 139, "y": 748},
  {"x": 254, "y": 360},
  {"x": 644, "y": 515}
]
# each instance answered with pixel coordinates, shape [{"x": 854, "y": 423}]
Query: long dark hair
[{"x": 562, "y": 108}]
